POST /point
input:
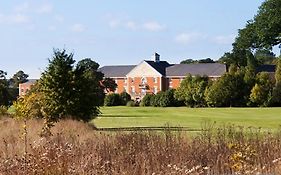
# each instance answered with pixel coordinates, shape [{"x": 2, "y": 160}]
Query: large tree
[
  {"x": 191, "y": 90},
  {"x": 70, "y": 92},
  {"x": 18, "y": 77}
]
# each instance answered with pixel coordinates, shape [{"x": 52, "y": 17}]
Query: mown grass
[{"x": 115, "y": 117}]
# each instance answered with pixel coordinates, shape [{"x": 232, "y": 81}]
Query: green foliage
[
  {"x": 19, "y": 77},
  {"x": 190, "y": 61},
  {"x": 227, "y": 91},
  {"x": 3, "y": 111},
  {"x": 109, "y": 85},
  {"x": 265, "y": 56},
  {"x": 29, "y": 106},
  {"x": 125, "y": 97},
  {"x": 112, "y": 100},
  {"x": 161, "y": 99},
  {"x": 268, "y": 23},
  {"x": 146, "y": 100},
  {"x": 261, "y": 94},
  {"x": 66, "y": 91},
  {"x": 131, "y": 104},
  {"x": 4, "y": 95},
  {"x": 191, "y": 90},
  {"x": 88, "y": 94},
  {"x": 58, "y": 86},
  {"x": 276, "y": 100}
]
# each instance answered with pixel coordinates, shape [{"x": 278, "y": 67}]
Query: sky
[{"x": 117, "y": 32}]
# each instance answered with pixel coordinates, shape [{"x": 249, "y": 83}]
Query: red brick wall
[{"x": 24, "y": 88}]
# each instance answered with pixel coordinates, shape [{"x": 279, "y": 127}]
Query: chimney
[{"x": 157, "y": 57}]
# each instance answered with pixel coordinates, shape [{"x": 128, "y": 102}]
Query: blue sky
[{"x": 117, "y": 32}]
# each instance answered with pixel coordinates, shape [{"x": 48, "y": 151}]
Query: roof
[
  {"x": 159, "y": 66},
  {"x": 266, "y": 68},
  {"x": 116, "y": 71},
  {"x": 30, "y": 81},
  {"x": 209, "y": 69}
]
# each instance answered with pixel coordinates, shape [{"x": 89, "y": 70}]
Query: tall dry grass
[{"x": 76, "y": 148}]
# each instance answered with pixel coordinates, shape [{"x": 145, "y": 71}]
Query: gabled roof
[
  {"x": 116, "y": 71},
  {"x": 209, "y": 69},
  {"x": 159, "y": 66},
  {"x": 266, "y": 68}
]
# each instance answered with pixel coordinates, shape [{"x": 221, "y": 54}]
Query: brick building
[
  {"x": 154, "y": 76},
  {"x": 25, "y": 87}
]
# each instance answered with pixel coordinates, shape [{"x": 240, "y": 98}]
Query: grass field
[{"x": 193, "y": 118}]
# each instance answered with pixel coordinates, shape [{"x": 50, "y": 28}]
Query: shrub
[
  {"x": 131, "y": 103},
  {"x": 146, "y": 100},
  {"x": 125, "y": 97},
  {"x": 3, "y": 111},
  {"x": 112, "y": 100}
]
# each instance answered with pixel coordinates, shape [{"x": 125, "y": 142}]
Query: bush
[
  {"x": 125, "y": 97},
  {"x": 3, "y": 111},
  {"x": 112, "y": 100},
  {"x": 131, "y": 104},
  {"x": 146, "y": 100}
]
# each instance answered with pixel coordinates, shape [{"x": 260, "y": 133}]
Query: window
[
  {"x": 116, "y": 81},
  {"x": 155, "y": 90},
  {"x": 132, "y": 80},
  {"x": 133, "y": 89},
  {"x": 155, "y": 79},
  {"x": 143, "y": 80}
]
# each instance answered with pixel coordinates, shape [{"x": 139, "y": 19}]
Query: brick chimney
[{"x": 157, "y": 57}]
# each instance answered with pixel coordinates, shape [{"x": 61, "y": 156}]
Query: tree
[
  {"x": 88, "y": 94},
  {"x": 125, "y": 97},
  {"x": 112, "y": 100},
  {"x": 187, "y": 61},
  {"x": 191, "y": 90},
  {"x": 4, "y": 95},
  {"x": 277, "y": 89},
  {"x": 19, "y": 77},
  {"x": 68, "y": 91},
  {"x": 227, "y": 91},
  {"x": 261, "y": 94},
  {"x": 109, "y": 85},
  {"x": 265, "y": 56},
  {"x": 207, "y": 60},
  {"x": 268, "y": 23}
]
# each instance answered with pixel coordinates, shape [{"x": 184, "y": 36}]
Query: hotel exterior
[{"x": 152, "y": 76}]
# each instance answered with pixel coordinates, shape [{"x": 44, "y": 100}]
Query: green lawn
[{"x": 115, "y": 117}]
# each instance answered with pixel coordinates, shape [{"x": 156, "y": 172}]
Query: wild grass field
[
  {"x": 193, "y": 118},
  {"x": 77, "y": 148}
]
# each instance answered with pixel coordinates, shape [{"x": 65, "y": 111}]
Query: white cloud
[
  {"x": 186, "y": 38},
  {"x": 228, "y": 39},
  {"x": 131, "y": 25},
  {"x": 153, "y": 26},
  {"x": 78, "y": 28}
]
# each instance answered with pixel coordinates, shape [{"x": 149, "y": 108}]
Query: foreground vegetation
[
  {"x": 192, "y": 118},
  {"x": 76, "y": 148}
]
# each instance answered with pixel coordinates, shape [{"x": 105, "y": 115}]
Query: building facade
[{"x": 150, "y": 77}]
